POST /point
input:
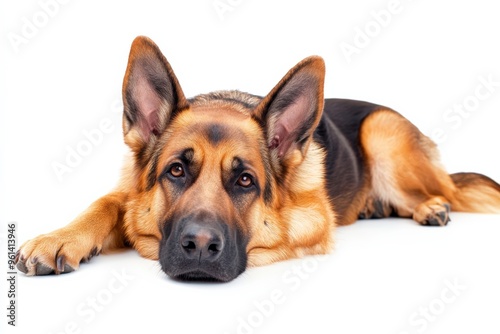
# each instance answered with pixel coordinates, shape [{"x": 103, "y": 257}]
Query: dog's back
[{"x": 379, "y": 164}]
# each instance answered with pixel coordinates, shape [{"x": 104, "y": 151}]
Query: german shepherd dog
[{"x": 228, "y": 180}]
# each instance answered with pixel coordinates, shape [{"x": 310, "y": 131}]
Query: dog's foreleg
[{"x": 98, "y": 228}]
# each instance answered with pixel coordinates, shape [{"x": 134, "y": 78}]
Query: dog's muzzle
[{"x": 203, "y": 247}]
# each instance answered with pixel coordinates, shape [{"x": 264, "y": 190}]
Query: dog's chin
[{"x": 200, "y": 276}]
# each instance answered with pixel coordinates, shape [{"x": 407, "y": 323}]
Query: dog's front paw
[{"x": 55, "y": 253}]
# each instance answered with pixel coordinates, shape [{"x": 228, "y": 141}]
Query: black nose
[{"x": 201, "y": 243}]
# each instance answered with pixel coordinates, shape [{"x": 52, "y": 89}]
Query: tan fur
[
  {"x": 404, "y": 170},
  {"x": 295, "y": 217},
  {"x": 407, "y": 177},
  {"x": 302, "y": 221},
  {"x": 96, "y": 227},
  {"x": 476, "y": 193}
]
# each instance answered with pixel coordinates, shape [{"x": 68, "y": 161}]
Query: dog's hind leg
[
  {"x": 98, "y": 228},
  {"x": 375, "y": 208},
  {"x": 407, "y": 179}
]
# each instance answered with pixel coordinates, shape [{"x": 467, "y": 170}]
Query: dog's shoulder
[{"x": 338, "y": 133}]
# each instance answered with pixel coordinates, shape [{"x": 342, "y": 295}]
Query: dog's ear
[
  {"x": 151, "y": 94},
  {"x": 290, "y": 113}
]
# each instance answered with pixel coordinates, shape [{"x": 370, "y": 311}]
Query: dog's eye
[
  {"x": 245, "y": 180},
  {"x": 176, "y": 170}
]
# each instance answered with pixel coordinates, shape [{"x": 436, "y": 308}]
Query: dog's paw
[
  {"x": 432, "y": 214},
  {"x": 55, "y": 253},
  {"x": 375, "y": 209}
]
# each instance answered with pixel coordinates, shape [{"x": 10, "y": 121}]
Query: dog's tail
[{"x": 475, "y": 193}]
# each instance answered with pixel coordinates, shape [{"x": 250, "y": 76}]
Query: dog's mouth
[
  {"x": 199, "y": 276},
  {"x": 197, "y": 273},
  {"x": 187, "y": 272}
]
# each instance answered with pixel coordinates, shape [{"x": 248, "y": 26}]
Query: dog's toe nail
[
  {"x": 22, "y": 267},
  {"x": 431, "y": 221},
  {"x": 68, "y": 268},
  {"x": 18, "y": 255},
  {"x": 42, "y": 269},
  {"x": 442, "y": 215},
  {"x": 60, "y": 264},
  {"x": 94, "y": 252}
]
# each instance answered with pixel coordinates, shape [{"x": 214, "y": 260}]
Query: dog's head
[{"x": 213, "y": 166}]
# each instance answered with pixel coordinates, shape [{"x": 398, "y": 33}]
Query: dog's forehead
[{"x": 217, "y": 126}]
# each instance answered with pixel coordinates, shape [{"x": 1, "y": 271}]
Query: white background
[{"x": 66, "y": 79}]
